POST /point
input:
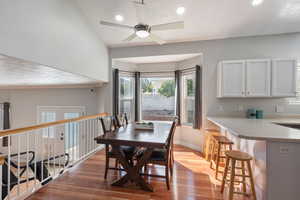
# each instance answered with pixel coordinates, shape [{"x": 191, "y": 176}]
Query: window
[
  {"x": 126, "y": 94},
  {"x": 157, "y": 98},
  {"x": 188, "y": 101},
  {"x": 71, "y": 130},
  {"x": 296, "y": 100},
  {"x": 48, "y": 117},
  {"x": 1, "y": 116}
]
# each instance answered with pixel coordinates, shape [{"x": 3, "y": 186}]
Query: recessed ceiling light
[
  {"x": 119, "y": 18},
  {"x": 180, "y": 10},
  {"x": 257, "y": 2}
]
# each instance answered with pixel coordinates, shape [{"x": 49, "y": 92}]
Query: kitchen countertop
[{"x": 260, "y": 129}]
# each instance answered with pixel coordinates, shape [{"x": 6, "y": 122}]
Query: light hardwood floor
[{"x": 192, "y": 180}]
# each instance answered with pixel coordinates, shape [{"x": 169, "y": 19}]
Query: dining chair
[
  {"x": 164, "y": 156},
  {"x": 109, "y": 124},
  {"x": 121, "y": 119}
]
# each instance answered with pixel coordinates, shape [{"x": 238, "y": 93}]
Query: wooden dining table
[{"x": 129, "y": 136}]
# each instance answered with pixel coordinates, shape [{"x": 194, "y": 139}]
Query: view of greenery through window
[{"x": 158, "y": 98}]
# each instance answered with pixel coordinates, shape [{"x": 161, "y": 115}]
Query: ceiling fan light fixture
[
  {"x": 142, "y": 33},
  {"x": 180, "y": 10},
  {"x": 257, "y": 2},
  {"x": 119, "y": 18}
]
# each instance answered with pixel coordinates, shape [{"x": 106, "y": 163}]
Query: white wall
[
  {"x": 24, "y": 102},
  {"x": 276, "y": 46},
  {"x": 53, "y": 33}
]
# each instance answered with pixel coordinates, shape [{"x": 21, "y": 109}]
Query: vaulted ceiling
[{"x": 204, "y": 19}]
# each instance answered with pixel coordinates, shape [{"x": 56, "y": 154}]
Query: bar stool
[
  {"x": 220, "y": 145},
  {"x": 208, "y": 142},
  {"x": 243, "y": 158}
]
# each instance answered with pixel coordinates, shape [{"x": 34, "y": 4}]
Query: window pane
[
  {"x": 188, "y": 108},
  {"x": 48, "y": 117},
  {"x": 71, "y": 130},
  {"x": 126, "y": 106},
  {"x": 158, "y": 98},
  {"x": 126, "y": 87},
  {"x": 126, "y": 101},
  {"x": 296, "y": 100}
]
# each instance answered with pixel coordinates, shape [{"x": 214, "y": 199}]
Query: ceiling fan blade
[
  {"x": 156, "y": 39},
  {"x": 131, "y": 37},
  {"x": 116, "y": 25},
  {"x": 168, "y": 26}
]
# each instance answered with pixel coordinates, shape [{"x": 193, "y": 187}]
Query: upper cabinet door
[
  {"x": 232, "y": 78},
  {"x": 258, "y": 73},
  {"x": 284, "y": 73}
]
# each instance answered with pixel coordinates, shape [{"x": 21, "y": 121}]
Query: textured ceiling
[
  {"x": 204, "y": 19},
  {"x": 20, "y": 73}
]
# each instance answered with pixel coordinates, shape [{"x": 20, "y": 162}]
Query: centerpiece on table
[{"x": 142, "y": 125}]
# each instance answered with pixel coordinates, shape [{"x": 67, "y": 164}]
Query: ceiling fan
[{"x": 144, "y": 30}]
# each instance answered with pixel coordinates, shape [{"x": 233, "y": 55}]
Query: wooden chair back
[
  {"x": 107, "y": 124},
  {"x": 171, "y": 135},
  {"x": 121, "y": 120}
]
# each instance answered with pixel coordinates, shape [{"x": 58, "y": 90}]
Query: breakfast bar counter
[
  {"x": 260, "y": 129},
  {"x": 275, "y": 146}
]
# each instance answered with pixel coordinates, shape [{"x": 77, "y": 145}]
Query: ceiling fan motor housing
[{"x": 142, "y": 27}]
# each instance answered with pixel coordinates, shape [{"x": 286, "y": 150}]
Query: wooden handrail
[{"x": 44, "y": 125}]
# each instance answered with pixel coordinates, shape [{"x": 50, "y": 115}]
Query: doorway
[{"x": 62, "y": 138}]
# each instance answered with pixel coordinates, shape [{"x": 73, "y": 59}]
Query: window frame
[
  {"x": 184, "y": 97},
  {"x": 131, "y": 98},
  {"x": 296, "y": 100}
]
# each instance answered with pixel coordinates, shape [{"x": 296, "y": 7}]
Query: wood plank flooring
[{"x": 192, "y": 180}]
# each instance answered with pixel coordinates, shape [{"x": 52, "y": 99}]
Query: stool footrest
[{"x": 242, "y": 193}]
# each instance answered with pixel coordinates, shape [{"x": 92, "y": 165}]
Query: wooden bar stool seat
[
  {"x": 233, "y": 158},
  {"x": 220, "y": 145}
]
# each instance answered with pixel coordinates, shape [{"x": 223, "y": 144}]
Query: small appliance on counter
[
  {"x": 254, "y": 113},
  {"x": 259, "y": 114},
  {"x": 251, "y": 113}
]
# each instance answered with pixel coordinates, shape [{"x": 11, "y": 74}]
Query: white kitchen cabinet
[
  {"x": 258, "y": 78},
  {"x": 284, "y": 74},
  {"x": 231, "y": 78}
]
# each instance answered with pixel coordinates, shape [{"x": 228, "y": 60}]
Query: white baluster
[
  {"x": 48, "y": 151},
  {"x": 35, "y": 158},
  {"x": 42, "y": 158},
  {"x": 54, "y": 150},
  {"x": 8, "y": 168},
  {"x": 73, "y": 141},
  {"x": 18, "y": 173}
]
